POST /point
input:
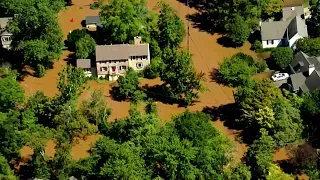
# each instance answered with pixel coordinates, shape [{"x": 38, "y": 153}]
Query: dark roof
[
  {"x": 83, "y": 63},
  {"x": 120, "y": 51},
  {"x": 93, "y": 20},
  {"x": 301, "y": 62}
]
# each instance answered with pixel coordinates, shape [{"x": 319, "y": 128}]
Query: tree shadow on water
[
  {"x": 159, "y": 93},
  {"x": 226, "y": 42},
  {"x": 217, "y": 77}
]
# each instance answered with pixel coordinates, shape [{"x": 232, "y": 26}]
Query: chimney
[
  {"x": 137, "y": 40},
  {"x": 311, "y": 69}
]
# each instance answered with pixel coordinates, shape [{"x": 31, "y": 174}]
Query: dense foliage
[
  {"x": 282, "y": 57},
  {"x": 37, "y": 37},
  {"x": 310, "y": 46},
  {"x": 239, "y": 31},
  {"x": 238, "y": 69},
  {"x": 85, "y": 47},
  {"x": 315, "y": 20},
  {"x": 140, "y": 147}
]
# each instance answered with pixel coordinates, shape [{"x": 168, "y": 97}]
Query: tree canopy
[
  {"x": 238, "y": 69},
  {"x": 282, "y": 57},
  {"x": 239, "y": 31}
]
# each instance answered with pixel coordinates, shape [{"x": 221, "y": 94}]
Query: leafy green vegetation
[
  {"x": 238, "y": 69},
  {"x": 282, "y": 57}
]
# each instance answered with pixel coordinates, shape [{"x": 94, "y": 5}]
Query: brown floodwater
[{"x": 207, "y": 53}]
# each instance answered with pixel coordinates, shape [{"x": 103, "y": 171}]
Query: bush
[
  {"x": 238, "y": 69},
  {"x": 310, "y": 46},
  {"x": 74, "y": 36},
  {"x": 153, "y": 70},
  {"x": 85, "y": 46},
  {"x": 282, "y": 57},
  {"x": 41, "y": 70},
  {"x": 257, "y": 46},
  {"x": 94, "y": 5},
  {"x": 239, "y": 31}
]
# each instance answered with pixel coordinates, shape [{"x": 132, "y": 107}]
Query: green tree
[
  {"x": 62, "y": 163},
  {"x": 85, "y": 47},
  {"x": 39, "y": 165},
  {"x": 35, "y": 52},
  {"x": 275, "y": 173},
  {"x": 282, "y": 57},
  {"x": 314, "y": 20},
  {"x": 123, "y": 20},
  {"x": 71, "y": 83},
  {"x": 5, "y": 171},
  {"x": 115, "y": 161},
  {"x": 240, "y": 172},
  {"x": 11, "y": 93},
  {"x": 153, "y": 70},
  {"x": 271, "y": 7},
  {"x": 95, "y": 109},
  {"x": 127, "y": 85},
  {"x": 12, "y": 137},
  {"x": 180, "y": 77},
  {"x": 37, "y": 23},
  {"x": 171, "y": 27},
  {"x": 238, "y": 69},
  {"x": 239, "y": 31},
  {"x": 75, "y": 36},
  {"x": 260, "y": 155},
  {"x": 310, "y": 46}
]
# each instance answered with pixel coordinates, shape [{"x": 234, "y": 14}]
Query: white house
[
  {"x": 5, "y": 36},
  {"x": 285, "y": 32}
]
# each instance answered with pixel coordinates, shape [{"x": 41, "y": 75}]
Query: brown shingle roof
[
  {"x": 120, "y": 51},
  {"x": 83, "y": 63},
  {"x": 291, "y": 3}
]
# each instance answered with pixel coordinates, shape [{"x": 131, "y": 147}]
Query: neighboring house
[
  {"x": 285, "y": 32},
  {"x": 114, "y": 60},
  {"x": 85, "y": 64},
  {"x": 305, "y": 73},
  {"x": 5, "y": 35},
  {"x": 92, "y": 22}
]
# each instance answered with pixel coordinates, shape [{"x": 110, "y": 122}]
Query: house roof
[
  {"x": 283, "y": 29},
  {"x": 304, "y": 82},
  {"x": 300, "y": 79},
  {"x": 301, "y": 62},
  {"x": 93, "y": 20},
  {"x": 292, "y": 3},
  {"x": 4, "y": 22},
  {"x": 273, "y": 30},
  {"x": 291, "y": 12},
  {"x": 83, "y": 63},
  {"x": 120, "y": 51}
]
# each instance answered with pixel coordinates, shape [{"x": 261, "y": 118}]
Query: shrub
[
  {"x": 310, "y": 46},
  {"x": 41, "y": 70},
  {"x": 238, "y": 69},
  {"x": 282, "y": 57},
  {"x": 153, "y": 70},
  {"x": 239, "y": 31},
  {"x": 74, "y": 36},
  {"x": 257, "y": 46}
]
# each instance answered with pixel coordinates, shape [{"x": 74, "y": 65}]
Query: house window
[
  {"x": 103, "y": 69},
  {"x": 133, "y": 58},
  {"x": 272, "y": 42},
  {"x": 123, "y": 68},
  {"x": 113, "y": 69},
  {"x": 4, "y": 39},
  {"x": 139, "y": 65}
]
